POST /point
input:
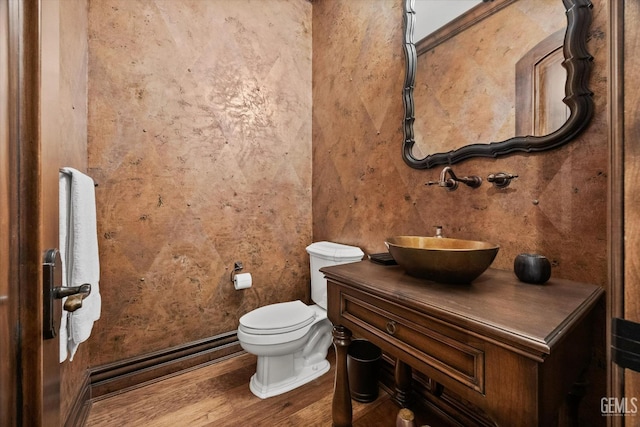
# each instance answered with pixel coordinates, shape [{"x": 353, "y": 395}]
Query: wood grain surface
[{"x": 218, "y": 395}]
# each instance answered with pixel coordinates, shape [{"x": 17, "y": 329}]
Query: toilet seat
[{"x": 280, "y": 318}]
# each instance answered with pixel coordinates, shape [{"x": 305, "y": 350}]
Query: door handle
[
  {"x": 75, "y": 295},
  {"x": 52, "y": 275}
]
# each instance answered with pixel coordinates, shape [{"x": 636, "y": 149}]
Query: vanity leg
[
  {"x": 403, "y": 384},
  {"x": 341, "y": 408}
]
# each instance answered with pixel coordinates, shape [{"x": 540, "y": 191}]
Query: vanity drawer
[{"x": 441, "y": 347}]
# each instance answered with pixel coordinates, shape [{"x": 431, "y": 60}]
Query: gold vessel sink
[{"x": 442, "y": 259}]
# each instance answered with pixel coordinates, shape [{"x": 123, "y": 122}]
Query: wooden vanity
[{"x": 510, "y": 350}]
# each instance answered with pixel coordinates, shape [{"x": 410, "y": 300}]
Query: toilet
[{"x": 291, "y": 339}]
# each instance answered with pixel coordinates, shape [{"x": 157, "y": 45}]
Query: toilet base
[{"x": 306, "y": 374}]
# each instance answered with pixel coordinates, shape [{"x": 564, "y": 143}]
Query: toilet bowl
[
  {"x": 291, "y": 339},
  {"x": 288, "y": 355}
]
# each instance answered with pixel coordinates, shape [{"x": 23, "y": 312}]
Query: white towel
[{"x": 79, "y": 254}]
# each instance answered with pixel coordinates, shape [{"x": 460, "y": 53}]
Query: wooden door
[
  {"x": 29, "y": 377},
  {"x": 631, "y": 296},
  {"x": 8, "y": 295},
  {"x": 624, "y": 295}
]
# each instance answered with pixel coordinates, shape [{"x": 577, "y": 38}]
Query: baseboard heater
[
  {"x": 117, "y": 377},
  {"x": 123, "y": 375}
]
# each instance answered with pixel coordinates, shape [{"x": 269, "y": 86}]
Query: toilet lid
[{"x": 278, "y": 318}]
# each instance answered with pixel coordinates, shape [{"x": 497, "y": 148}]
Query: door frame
[
  {"x": 615, "y": 300},
  {"x": 624, "y": 275},
  {"x": 22, "y": 305}
]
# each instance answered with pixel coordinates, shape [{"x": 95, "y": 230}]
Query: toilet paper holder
[{"x": 237, "y": 266}]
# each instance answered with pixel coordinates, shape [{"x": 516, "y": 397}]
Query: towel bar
[{"x": 95, "y": 184}]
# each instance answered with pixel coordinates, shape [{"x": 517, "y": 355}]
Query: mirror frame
[{"x": 578, "y": 97}]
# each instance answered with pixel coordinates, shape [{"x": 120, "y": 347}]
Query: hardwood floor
[{"x": 219, "y": 395}]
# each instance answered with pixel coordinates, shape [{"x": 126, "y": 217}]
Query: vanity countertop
[{"x": 532, "y": 318}]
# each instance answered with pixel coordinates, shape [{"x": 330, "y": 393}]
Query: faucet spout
[
  {"x": 446, "y": 170},
  {"x": 451, "y": 183}
]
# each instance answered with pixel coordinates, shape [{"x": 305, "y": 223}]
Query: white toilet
[{"x": 291, "y": 339}]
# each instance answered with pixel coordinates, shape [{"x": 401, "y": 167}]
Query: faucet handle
[
  {"x": 501, "y": 179},
  {"x": 472, "y": 181},
  {"x": 438, "y": 231}
]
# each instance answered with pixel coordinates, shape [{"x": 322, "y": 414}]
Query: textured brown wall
[
  {"x": 363, "y": 192},
  {"x": 73, "y": 149},
  {"x": 200, "y": 141}
]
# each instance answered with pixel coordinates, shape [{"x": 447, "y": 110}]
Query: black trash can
[{"x": 363, "y": 364}]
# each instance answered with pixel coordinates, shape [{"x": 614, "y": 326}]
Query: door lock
[{"x": 52, "y": 275}]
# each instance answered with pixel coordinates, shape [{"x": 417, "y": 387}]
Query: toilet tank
[{"x": 324, "y": 254}]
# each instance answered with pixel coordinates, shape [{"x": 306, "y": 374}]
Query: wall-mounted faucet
[
  {"x": 501, "y": 179},
  {"x": 451, "y": 183}
]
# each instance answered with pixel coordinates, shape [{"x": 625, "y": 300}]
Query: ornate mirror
[{"x": 432, "y": 58}]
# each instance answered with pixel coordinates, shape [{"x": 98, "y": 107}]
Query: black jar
[{"x": 532, "y": 268}]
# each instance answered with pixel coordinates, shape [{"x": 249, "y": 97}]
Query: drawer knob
[{"x": 391, "y": 327}]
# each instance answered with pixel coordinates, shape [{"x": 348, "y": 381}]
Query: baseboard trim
[
  {"x": 80, "y": 409},
  {"x": 114, "y": 378}
]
